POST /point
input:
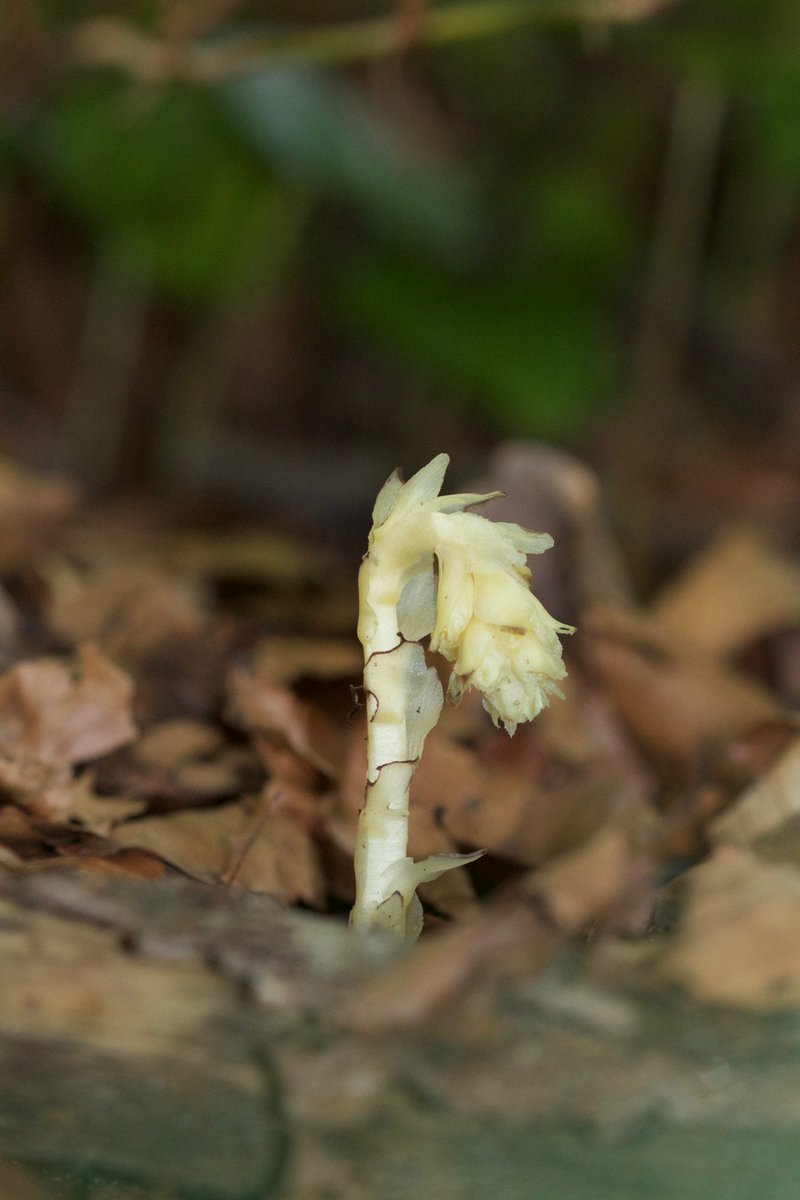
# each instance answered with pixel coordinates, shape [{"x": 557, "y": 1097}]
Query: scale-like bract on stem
[{"x": 434, "y": 570}]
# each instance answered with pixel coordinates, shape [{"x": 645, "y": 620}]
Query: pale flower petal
[
  {"x": 498, "y": 636},
  {"x": 422, "y": 489},
  {"x": 455, "y": 602}
]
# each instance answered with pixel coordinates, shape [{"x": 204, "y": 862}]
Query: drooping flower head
[{"x": 480, "y": 612}]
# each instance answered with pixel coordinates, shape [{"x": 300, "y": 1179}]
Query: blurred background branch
[{"x": 114, "y": 42}]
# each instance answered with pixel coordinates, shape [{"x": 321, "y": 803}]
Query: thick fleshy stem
[
  {"x": 403, "y": 701},
  {"x": 485, "y": 610}
]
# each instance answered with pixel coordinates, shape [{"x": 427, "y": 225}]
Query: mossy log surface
[{"x": 165, "y": 1041}]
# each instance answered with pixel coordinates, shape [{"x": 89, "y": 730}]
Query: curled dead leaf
[
  {"x": 739, "y": 940},
  {"x": 770, "y": 801},
  {"x": 130, "y": 609},
  {"x": 172, "y": 743},
  {"x": 681, "y": 708},
  {"x": 273, "y": 711},
  {"x": 56, "y": 717},
  {"x": 507, "y": 938},
  {"x": 284, "y": 659},
  {"x": 761, "y": 590},
  {"x": 605, "y": 882},
  {"x": 75, "y": 802},
  {"x": 249, "y": 844}
]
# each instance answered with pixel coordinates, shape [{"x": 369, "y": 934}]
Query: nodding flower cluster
[{"x": 434, "y": 570}]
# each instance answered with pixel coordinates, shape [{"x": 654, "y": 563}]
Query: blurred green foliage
[
  {"x": 529, "y": 338},
  {"x": 749, "y": 49},
  {"x": 486, "y": 236},
  {"x": 320, "y": 133},
  {"x": 160, "y": 179}
]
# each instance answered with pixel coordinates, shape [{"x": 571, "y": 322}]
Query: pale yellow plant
[{"x": 434, "y": 570}]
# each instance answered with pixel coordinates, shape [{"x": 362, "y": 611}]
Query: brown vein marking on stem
[
  {"x": 401, "y": 641},
  {"x": 368, "y": 691},
  {"x": 405, "y": 762},
  {"x": 395, "y": 762}
]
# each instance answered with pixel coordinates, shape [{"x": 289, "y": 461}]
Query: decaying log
[{"x": 173, "y": 1042}]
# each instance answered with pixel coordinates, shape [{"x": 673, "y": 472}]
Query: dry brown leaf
[
  {"x": 303, "y": 806},
  {"x": 23, "y": 776},
  {"x": 138, "y": 863},
  {"x": 275, "y": 712},
  {"x": 24, "y": 492},
  {"x": 603, "y": 882},
  {"x": 512, "y": 814},
  {"x": 188, "y": 761},
  {"x": 516, "y": 816},
  {"x": 75, "y": 802},
  {"x": 129, "y": 609},
  {"x": 680, "y": 708},
  {"x": 784, "y": 665},
  {"x": 17, "y": 829},
  {"x": 56, "y": 718},
  {"x": 756, "y": 750},
  {"x": 736, "y": 591},
  {"x": 169, "y": 744},
  {"x": 220, "y": 778},
  {"x": 285, "y": 659},
  {"x": 281, "y": 762},
  {"x": 180, "y": 762},
  {"x": 20, "y": 840},
  {"x": 508, "y": 937},
  {"x": 245, "y": 844},
  {"x": 353, "y": 773},
  {"x": 260, "y": 555},
  {"x": 739, "y": 941},
  {"x": 683, "y": 833},
  {"x": 195, "y": 841},
  {"x": 581, "y": 731},
  {"x": 475, "y": 805},
  {"x": 9, "y": 858},
  {"x": 124, "y": 862},
  {"x": 276, "y": 857},
  {"x": 767, "y": 804}
]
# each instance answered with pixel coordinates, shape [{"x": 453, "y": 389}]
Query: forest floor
[{"x": 180, "y": 703}]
